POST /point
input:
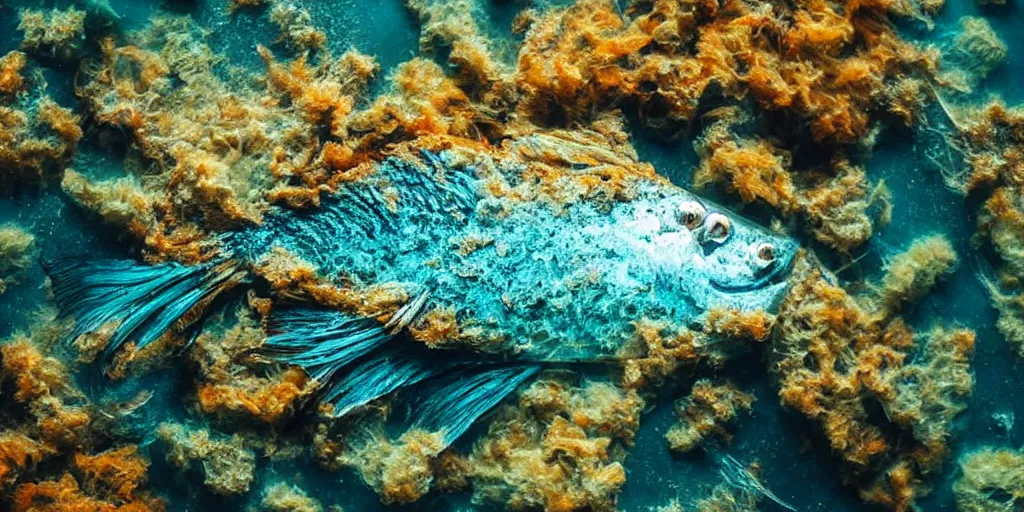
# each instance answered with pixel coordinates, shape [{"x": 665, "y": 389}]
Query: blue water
[{"x": 808, "y": 479}]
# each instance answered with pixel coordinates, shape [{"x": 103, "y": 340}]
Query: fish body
[
  {"x": 530, "y": 270},
  {"x": 543, "y": 282}
]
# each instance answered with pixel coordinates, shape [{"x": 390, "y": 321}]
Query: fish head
[{"x": 717, "y": 258}]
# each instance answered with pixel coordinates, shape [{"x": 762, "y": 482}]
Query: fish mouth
[{"x": 777, "y": 273}]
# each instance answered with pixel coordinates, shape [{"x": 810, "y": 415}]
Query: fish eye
[
  {"x": 718, "y": 227},
  {"x": 691, "y": 214},
  {"x": 766, "y": 252}
]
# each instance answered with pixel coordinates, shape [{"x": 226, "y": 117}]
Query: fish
[{"x": 529, "y": 282}]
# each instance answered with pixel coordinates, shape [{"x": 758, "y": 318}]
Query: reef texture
[
  {"x": 705, "y": 412},
  {"x": 50, "y": 445},
  {"x": 991, "y": 479},
  {"x": 835, "y": 353},
  {"x": 38, "y": 137}
]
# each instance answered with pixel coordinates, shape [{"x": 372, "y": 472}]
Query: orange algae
[
  {"x": 914, "y": 272},
  {"x": 731, "y": 323},
  {"x": 559, "y": 450},
  {"x": 705, "y": 412},
  {"x": 231, "y": 391},
  {"x": 656, "y": 353},
  {"x": 834, "y": 353},
  {"x": 37, "y": 136},
  {"x": 400, "y": 471},
  {"x": 57, "y": 427},
  {"x": 11, "y": 66}
]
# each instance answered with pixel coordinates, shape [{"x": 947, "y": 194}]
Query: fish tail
[
  {"x": 358, "y": 360},
  {"x": 143, "y": 301}
]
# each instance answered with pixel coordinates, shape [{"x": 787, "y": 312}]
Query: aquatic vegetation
[
  {"x": 837, "y": 201},
  {"x": 227, "y": 465},
  {"x": 11, "y": 67},
  {"x": 557, "y": 450},
  {"x": 972, "y": 54},
  {"x": 912, "y": 273},
  {"x": 15, "y": 255},
  {"x": 38, "y": 137},
  {"x": 233, "y": 392},
  {"x": 281, "y": 497},
  {"x": 55, "y": 34},
  {"x": 297, "y": 29},
  {"x": 992, "y": 479},
  {"x": 705, "y": 412},
  {"x": 401, "y": 471},
  {"x": 48, "y": 459},
  {"x": 834, "y": 353}
]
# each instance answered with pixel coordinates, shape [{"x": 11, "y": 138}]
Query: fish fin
[
  {"x": 462, "y": 396},
  {"x": 384, "y": 372},
  {"x": 322, "y": 341},
  {"x": 145, "y": 300}
]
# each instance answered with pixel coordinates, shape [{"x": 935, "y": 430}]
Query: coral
[
  {"x": 914, "y": 272},
  {"x": 297, "y": 29},
  {"x": 15, "y": 249},
  {"x": 557, "y": 450},
  {"x": 56, "y": 34},
  {"x": 992, "y": 479},
  {"x": 281, "y": 497},
  {"x": 705, "y": 412},
  {"x": 228, "y": 467}
]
